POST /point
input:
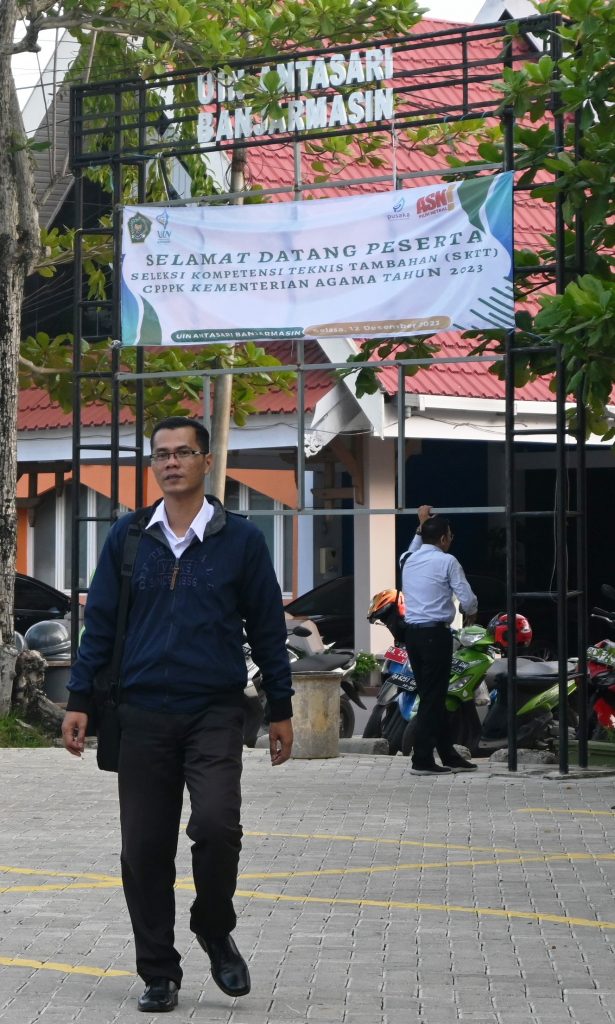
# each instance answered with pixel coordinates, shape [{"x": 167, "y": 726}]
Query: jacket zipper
[{"x": 175, "y": 574}]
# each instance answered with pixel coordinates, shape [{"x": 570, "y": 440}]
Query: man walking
[
  {"x": 430, "y": 578},
  {"x": 201, "y": 573}
]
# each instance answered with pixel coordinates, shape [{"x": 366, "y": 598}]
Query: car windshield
[{"x": 332, "y": 598}]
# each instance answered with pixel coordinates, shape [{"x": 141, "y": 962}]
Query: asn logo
[
  {"x": 164, "y": 235},
  {"x": 436, "y": 202}
]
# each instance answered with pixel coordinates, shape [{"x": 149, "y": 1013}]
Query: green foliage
[
  {"x": 126, "y": 38},
  {"x": 166, "y": 397},
  {"x": 14, "y": 733},
  {"x": 364, "y": 664},
  {"x": 580, "y": 86}
]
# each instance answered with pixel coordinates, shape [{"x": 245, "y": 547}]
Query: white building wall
[{"x": 374, "y": 542}]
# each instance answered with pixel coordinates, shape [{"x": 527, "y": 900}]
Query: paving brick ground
[{"x": 367, "y": 896}]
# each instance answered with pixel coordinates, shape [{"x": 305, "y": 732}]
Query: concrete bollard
[{"x": 316, "y": 714}]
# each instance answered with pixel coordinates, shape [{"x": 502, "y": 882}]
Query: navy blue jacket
[{"x": 183, "y": 645}]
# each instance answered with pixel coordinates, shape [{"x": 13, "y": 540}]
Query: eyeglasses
[{"x": 162, "y": 455}]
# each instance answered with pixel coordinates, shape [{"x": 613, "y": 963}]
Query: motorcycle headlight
[{"x": 459, "y": 684}]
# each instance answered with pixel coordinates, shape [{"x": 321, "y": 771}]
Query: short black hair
[
  {"x": 434, "y": 528},
  {"x": 176, "y": 423}
]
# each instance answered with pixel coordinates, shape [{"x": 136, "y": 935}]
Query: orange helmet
[{"x": 381, "y": 604}]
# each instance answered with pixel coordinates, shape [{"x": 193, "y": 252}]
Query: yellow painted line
[
  {"x": 186, "y": 884},
  {"x": 445, "y": 908},
  {"x": 424, "y": 866},
  {"x": 39, "y": 965},
  {"x": 563, "y": 810},
  {"x": 61, "y": 887},
  {"x": 6, "y": 870},
  {"x": 540, "y": 858},
  {"x": 379, "y": 840}
]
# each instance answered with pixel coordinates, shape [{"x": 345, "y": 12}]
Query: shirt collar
[{"x": 197, "y": 525}]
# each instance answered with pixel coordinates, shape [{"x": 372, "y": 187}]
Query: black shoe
[
  {"x": 228, "y": 968},
  {"x": 430, "y": 769},
  {"x": 457, "y": 763},
  {"x": 159, "y": 996}
]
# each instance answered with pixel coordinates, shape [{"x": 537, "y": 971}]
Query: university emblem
[{"x": 139, "y": 227}]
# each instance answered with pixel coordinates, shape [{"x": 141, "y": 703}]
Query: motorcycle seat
[
  {"x": 319, "y": 663},
  {"x": 532, "y": 675}
]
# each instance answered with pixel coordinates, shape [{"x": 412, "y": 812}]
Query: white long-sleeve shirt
[{"x": 430, "y": 579}]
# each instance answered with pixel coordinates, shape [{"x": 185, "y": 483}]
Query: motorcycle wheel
[
  {"x": 407, "y": 740},
  {"x": 373, "y": 726},
  {"x": 465, "y": 726},
  {"x": 252, "y": 722},
  {"x": 347, "y": 718},
  {"x": 393, "y": 729}
]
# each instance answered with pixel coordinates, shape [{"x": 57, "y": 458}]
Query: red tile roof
[{"x": 272, "y": 166}]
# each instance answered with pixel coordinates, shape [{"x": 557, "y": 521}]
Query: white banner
[{"x": 416, "y": 261}]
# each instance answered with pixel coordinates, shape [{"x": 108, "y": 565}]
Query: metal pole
[
  {"x": 561, "y": 517},
  {"x": 581, "y": 476},
  {"x": 509, "y": 486},
  {"x": 76, "y": 440}
]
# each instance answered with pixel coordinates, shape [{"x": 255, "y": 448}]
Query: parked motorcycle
[
  {"x": 479, "y": 668},
  {"x": 306, "y": 653},
  {"x": 397, "y": 691},
  {"x": 601, "y": 671},
  {"x": 479, "y": 677}
]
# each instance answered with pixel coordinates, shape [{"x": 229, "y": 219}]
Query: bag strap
[{"x": 129, "y": 554}]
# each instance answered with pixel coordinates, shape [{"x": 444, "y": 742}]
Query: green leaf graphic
[
  {"x": 472, "y": 194},
  {"x": 151, "y": 333}
]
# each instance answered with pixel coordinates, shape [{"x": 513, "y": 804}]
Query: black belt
[{"x": 426, "y": 625}]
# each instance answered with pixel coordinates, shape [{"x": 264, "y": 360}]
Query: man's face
[{"x": 179, "y": 476}]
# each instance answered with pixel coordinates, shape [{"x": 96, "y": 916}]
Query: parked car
[
  {"x": 36, "y": 601},
  {"x": 331, "y": 607}
]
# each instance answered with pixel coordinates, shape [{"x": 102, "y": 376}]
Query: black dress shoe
[
  {"x": 228, "y": 968},
  {"x": 159, "y": 996},
  {"x": 457, "y": 763}
]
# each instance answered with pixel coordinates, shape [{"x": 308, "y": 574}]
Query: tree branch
[
  {"x": 45, "y": 371},
  {"x": 27, "y": 227}
]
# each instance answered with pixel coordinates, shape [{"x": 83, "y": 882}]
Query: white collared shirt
[
  {"x": 196, "y": 529},
  {"x": 430, "y": 578}
]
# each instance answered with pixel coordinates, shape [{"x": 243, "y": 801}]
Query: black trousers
[
  {"x": 159, "y": 753},
  {"x": 430, "y": 652}
]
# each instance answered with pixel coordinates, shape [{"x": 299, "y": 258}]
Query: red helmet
[
  {"x": 499, "y": 627},
  {"x": 381, "y": 604}
]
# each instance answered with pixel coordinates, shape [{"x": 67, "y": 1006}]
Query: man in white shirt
[{"x": 431, "y": 577}]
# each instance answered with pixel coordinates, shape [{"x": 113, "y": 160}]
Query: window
[
  {"x": 277, "y": 529},
  {"x": 53, "y": 536}
]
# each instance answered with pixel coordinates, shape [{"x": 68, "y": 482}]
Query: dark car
[
  {"x": 331, "y": 607},
  {"x": 36, "y": 601}
]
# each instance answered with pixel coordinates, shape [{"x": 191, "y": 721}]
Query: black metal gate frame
[{"x": 120, "y": 125}]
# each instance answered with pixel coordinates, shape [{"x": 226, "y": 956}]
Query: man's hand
[
  {"x": 280, "y": 741},
  {"x": 424, "y": 512},
  {"x": 73, "y": 731},
  {"x": 469, "y": 620}
]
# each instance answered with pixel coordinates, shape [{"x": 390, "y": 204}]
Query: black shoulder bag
[{"x": 107, "y": 683}]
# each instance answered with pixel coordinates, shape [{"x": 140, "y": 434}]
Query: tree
[
  {"x": 119, "y": 38},
  {"x": 580, "y": 86}
]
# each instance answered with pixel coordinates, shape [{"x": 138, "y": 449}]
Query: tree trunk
[
  {"x": 223, "y": 386},
  {"x": 19, "y": 243}
]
